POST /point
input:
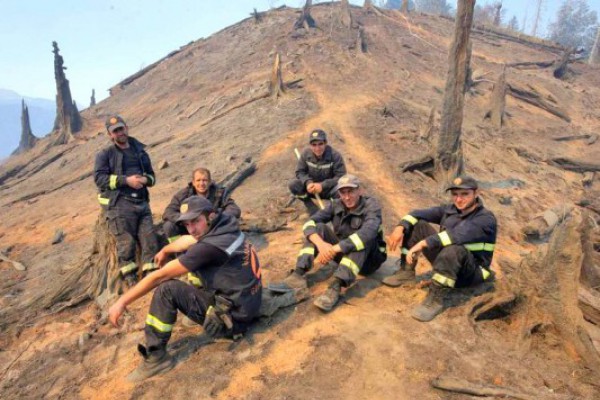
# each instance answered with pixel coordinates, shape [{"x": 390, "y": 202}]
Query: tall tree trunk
[
  {"x": 404, "y": 8},
  {"x": 595, "y": 55},
  {"x": 498, "y": 101},
  {"x": 449, "y": 157}
]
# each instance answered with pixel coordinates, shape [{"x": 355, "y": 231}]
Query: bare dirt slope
[{"x": 206, "y": 105}]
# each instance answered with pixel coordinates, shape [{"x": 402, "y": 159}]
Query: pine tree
[{"x": 575, "y": 24}]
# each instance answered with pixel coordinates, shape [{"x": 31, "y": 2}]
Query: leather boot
[
  {"x": 433, "y": 305},
  {"x": 404, "y": 276},
  {"x": 329, "y": 299},
  {"x": 155, "y": 361},
  {"x": 294, "y": 281}
]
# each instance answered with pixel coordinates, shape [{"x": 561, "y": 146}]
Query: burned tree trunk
[
  {"x": 448, "y": 157},
  {"x": 305, "y": 21},
  {"x": 560, "y": 72},
  {"x": 404, "y": 8},
  {"x": 93, "y": 98},
  {"x": 361, "y": 40},
  {"x": 27, "y": 139},
  {"x": 276, "y": 87},
  {"x": 346, "y": 15},
  {"x": 595, "y": 54},
  {"x": 76, "y": 123},
  {"x": 498, "y": 101},
  {"x": 257, "y": 16},
  {"x": 64, "y": 101}
]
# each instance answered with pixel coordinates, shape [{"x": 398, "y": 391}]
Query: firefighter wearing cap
[
  {"x": 123, "y": 172},
  {"x": 229, "y": 301},
  {"x": 355, "y": 243},
  {"x": 201, "y": 185},
  {"x": 460, "y": 253},
  {"x": 317, "y": 172}
]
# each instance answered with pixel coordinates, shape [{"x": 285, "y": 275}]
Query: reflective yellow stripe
[
  {"x": 309, "y": 224},
  {"x": 301, "y": 196},
  {"x": 173, "y": 238},
  {"x": 150, "y": 178},
  {"x": 404, "y": 250},
  {"x": 112, "y": 182},
  {"x": 486, "y": 274},
  {"x": 149, "y": 266},
  {"x": 125, "y": 269},
  {"x": 351, "y": 265},
  {"x": 442, "y": 280},
  {"x": 382, "y": 249},
  {"x": 409, "y": 218},
  {"x": 103, "y": 200},
  {"x": 194, "y": 279},
  {"x": 358, "y": 243},
  {"x": 307, "y": 250},
  {"x": 445, "y": 238},
  {"x": 158, "y": 324},
  {"x": 380, "y": 229},
  {"x": 480, "y": 246}
]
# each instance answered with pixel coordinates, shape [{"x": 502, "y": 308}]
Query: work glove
[{"x": 217, "y": 317}]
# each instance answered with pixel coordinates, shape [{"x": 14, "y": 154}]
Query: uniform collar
[
  {"x": 339, "y": 207},
  {"x": 454, "y": 210}
]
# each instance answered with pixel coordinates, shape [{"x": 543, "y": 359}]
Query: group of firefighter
[{"x": 222, "y": 288}]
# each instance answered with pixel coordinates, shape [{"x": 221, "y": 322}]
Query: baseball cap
[
  {"x": 192, "y": 207},
  {"x": 347, "y": 181},
  {"x": 113, "y": 122},
  {"x": 317, "y": 134},
  {"x": 463, "y": 182}
]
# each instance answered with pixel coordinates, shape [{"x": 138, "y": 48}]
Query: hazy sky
[{"x": 104, "y": 41}]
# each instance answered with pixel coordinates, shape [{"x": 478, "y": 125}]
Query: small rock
[
  {"x": 83, "y": 338},
  {"x": 59, "y": 235},
  {"x": 163, "y": 164},
  {"x": 505, "y": 200}
]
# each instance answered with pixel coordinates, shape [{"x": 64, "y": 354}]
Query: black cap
[
  {"x": 317, "y": 134},
  {"x": 193, "y": 207},
  {"x": 113, "y": 122},
  {"x": 463, "y": 182}
]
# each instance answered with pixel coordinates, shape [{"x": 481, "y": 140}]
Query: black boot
[
  {"x": 156, "y": 361},
  {"x": 294, "y": 281},
  {"x": 433, "y": 305},
  {"x": 329, "y": 299},
  {"x": 404, "y": 276}
]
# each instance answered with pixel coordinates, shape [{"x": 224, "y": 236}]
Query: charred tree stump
[
  {"x": 64, "y": 102},
  {"x": 93, "y": 98},
  {"x": 346, "y": 18},
  {"x": 305, "y": 20},
  {"x": 561, "y": 70},
  {"x": 595, "y": 54},
  {"x": 276, "y": 87},
  {"x": 27, "y": 139},
  {"x": 257, "y": 16},
  {"x": 449, "y": 157},
  {"x": 498, "y": 101},
  {"x": 404, "y": 8},
  {"x": 361, "y": 40}
]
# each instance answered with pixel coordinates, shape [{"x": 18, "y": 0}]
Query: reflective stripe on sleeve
[
  {"x": 317, "y": 166},
  {"x": 150, "y": 178},
  {"x": 382, "y": 249},
  {"x": 442, "y": 280},
  {"x": 237, "y": 243},
  {"x": 103, "y": 200},
  {"x": 158, "y": 324},
  {"x": 307, "y": 250},
  {"x": 480, "y": 246},
  {"x": 404, "y": 250},
  {"x": 112, "y": 182},
  {"x": 351, "y": 265},
  {"x": 194, "y": 279},
  {"x": 173, "y": 238},
  {"x": 357, "y": 241},
  {"x": 309, "y": 224},
  {"x": 445, "y": 238},
  {"x": 485, "y": 273},
  {"x": 410, "y": 219},
  {"x": 128, "y": 268},
  {"x": 149, "y": 266}
]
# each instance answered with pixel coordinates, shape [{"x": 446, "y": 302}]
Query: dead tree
[
  {"x": 448, "y": 157},
  {"x": 595, "y": 54},
  {"x": 498, "y": 101},
  {"x": 560, "y": 72},
  {"x": 404, "y": 8},
  {"x": 257, "y": 16},
  {"x": 27, "y": 139},
  {"x": 305, "y": 20},
  {"x": 361, "y": 40},
  {"x": 537, "y": 18},
  {"x": 370, "y": 8},
  {"x": 93, "y": 98},
  {"x": 276, "y": 86},
  {"x": 346, "y": 18},
  {"x": 497, "y": 13},
  {"x": 64, "y": 101}
]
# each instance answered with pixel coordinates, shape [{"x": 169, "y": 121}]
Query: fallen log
[
  {"x": 424, "y": 164},
  {"x": 572, "y": 165},
  {"x": 590, "y": 137},
  {"x": 458, "y": 385},
  {"x": 534, "y": 98},
  {"x": 562, "y": 68},
  {"x": 233, "y": 180}
]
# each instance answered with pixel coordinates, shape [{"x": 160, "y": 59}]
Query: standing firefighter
[
  {"x": 355, "y": 243},
  {"x": 460, "y": 253},
  {"x": 201, "y": 185},
  {"x": 317, "y": 172},
  {"x": 122, "y": 173},
  {"x": 225, "y": 306}
]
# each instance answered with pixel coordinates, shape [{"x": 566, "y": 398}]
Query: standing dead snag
[
  {"x": 498, "y": 101},
  {"x": 449, "y": 157},
  {"x": 346, "y": 15},
  {"x": 257, "y": 16},
  {"x": 361, "y": 40},
  {"x": 276, "y": 87},
  {"x": 305, "y": 21},
  {"x": 67, "y": 116},
  {"x": 560, "y": 72},
  {"x": 404, "y": 8},
  {"x": 595, "y": 54}
]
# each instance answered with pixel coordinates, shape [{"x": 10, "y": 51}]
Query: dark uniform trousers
[
  {"x": 299, "y": 191},
  {"x": 453, "y": 266},
  {"x": 350, "y": 265},
  {"x": 128, "y": 220}
]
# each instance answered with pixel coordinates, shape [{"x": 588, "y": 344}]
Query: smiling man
[
  {"x": 227, "y": 303},
  {"x": 317, "y": 172},
  {"x": 460, "y": 253},
  {"x": 355, "y": 243},
  {"x": 123, "y": 172}
]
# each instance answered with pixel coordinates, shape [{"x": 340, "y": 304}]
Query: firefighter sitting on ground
[
  {"x": 122, "y": 173},
  {"x": 460, "y": 253},
  {"x": 355, "y": 243},
  {"x": 201, "y": 185},
  {"x": 317, "y": 172},
  {"x": 229, "y": 300}
]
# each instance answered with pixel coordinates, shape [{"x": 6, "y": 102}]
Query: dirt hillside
[{"x": 208, "y": 105}]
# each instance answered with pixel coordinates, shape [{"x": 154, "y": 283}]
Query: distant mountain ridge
[{"x": 41, "y": 114}]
